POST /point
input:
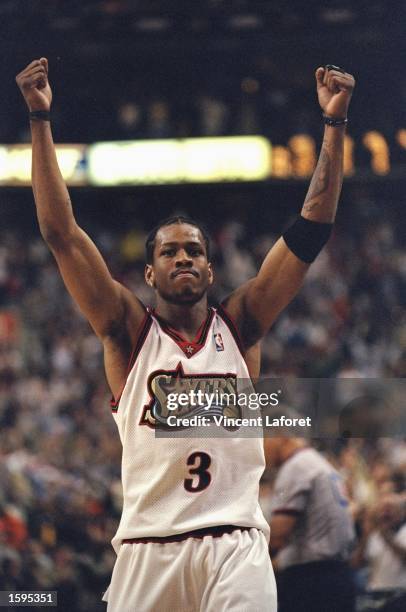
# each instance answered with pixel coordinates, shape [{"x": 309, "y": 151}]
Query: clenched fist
[
  {"x": 34, "y": 85},
  {"x": 334, "y": 90}
]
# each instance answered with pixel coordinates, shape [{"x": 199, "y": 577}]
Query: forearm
[
  {"x": 322, "y": 197},
  {"x": 282, "y": 528},
  {"x": 54, "y": 210}
]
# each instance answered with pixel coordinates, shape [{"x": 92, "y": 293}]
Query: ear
[
  {"x": 211, "y": 273},
  {"x": 149, "y": 275}
]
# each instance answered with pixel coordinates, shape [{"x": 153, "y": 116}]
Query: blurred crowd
[
  {"x": 246, "y": 109},
  {"x": 213, "y": 92},
  {"x": 60, "y": 493}
]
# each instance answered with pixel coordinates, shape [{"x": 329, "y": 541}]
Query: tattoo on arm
[{"x": 320, "y": 182}]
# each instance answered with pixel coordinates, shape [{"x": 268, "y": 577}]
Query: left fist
[{"x": 334, "y": 90}]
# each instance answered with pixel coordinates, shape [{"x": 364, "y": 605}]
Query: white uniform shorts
[{"x": 230, "y": 573}]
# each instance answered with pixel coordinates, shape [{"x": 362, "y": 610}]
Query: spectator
[{"x": 383, "y": 545}]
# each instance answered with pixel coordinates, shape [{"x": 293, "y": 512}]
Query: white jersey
[{"x": 176, "y": 485}]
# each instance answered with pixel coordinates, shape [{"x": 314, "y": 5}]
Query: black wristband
[
  {"x": 335, "y": 122},
  {"x": 40, "y": 115},
  {"x": 306, "y": 238}
]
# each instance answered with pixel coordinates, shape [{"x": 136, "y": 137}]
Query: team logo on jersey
[
  {"x": 174, "y": 393},
  {"x": 218, "y": 340}
]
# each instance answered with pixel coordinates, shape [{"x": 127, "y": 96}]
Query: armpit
[{"x": 250, "y": 327}]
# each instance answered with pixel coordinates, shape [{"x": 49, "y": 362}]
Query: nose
[{"x": 183, "y": 259}]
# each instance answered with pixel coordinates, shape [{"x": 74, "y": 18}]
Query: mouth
[{"x": 184, "y": 273}]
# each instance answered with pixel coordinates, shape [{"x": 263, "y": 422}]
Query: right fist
[{"x": 34, "y": 85}]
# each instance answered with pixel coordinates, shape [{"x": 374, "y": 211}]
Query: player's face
[{"x": 180, "y": 272}]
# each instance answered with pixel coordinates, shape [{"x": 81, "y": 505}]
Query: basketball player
[{"x": 192, "y": 535}]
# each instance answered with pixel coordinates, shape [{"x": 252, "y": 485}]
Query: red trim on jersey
[
  {"x": 189, "y": 347},
  {"x": 142, "y": 334},
  {"x": 215, "y": 532},
  {"x": 229, "y": 321}
]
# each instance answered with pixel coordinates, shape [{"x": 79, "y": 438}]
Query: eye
[
  {"x": 168, "y": 252},
  {"x": 195, "y": 252}
]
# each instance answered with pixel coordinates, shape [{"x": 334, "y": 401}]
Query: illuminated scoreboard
[
  {"x": 299, "y": 157},
  {"x": 195, "y": 160},
  {"x": 15, "y": 164},
  {"x": 189, "y": 160}
]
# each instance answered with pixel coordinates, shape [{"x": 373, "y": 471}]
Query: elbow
[
  {"x": 52, "y": 237},
  {"x": 55, "y": 237}
]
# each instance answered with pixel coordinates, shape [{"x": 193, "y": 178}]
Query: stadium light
[{"x": 192, "y": 160}]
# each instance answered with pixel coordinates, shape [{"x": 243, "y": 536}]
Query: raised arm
[
  {"x": 256, "y": 304},
  {"x": 109, "y": 307}
]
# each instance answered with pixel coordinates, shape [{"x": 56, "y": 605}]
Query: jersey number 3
[{"x": 200, "y": 463}]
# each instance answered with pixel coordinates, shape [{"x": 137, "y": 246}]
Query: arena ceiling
[{"x": 155, "y": 17}]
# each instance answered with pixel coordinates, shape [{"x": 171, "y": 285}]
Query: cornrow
[{"x": 177, "y": 219}]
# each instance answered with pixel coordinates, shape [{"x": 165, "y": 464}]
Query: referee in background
[{"x": 312, "y": 531}]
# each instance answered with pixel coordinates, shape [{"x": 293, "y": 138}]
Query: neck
[
  {"x": 291, "y": 446},
  {"x": 185, "y": 318}
]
